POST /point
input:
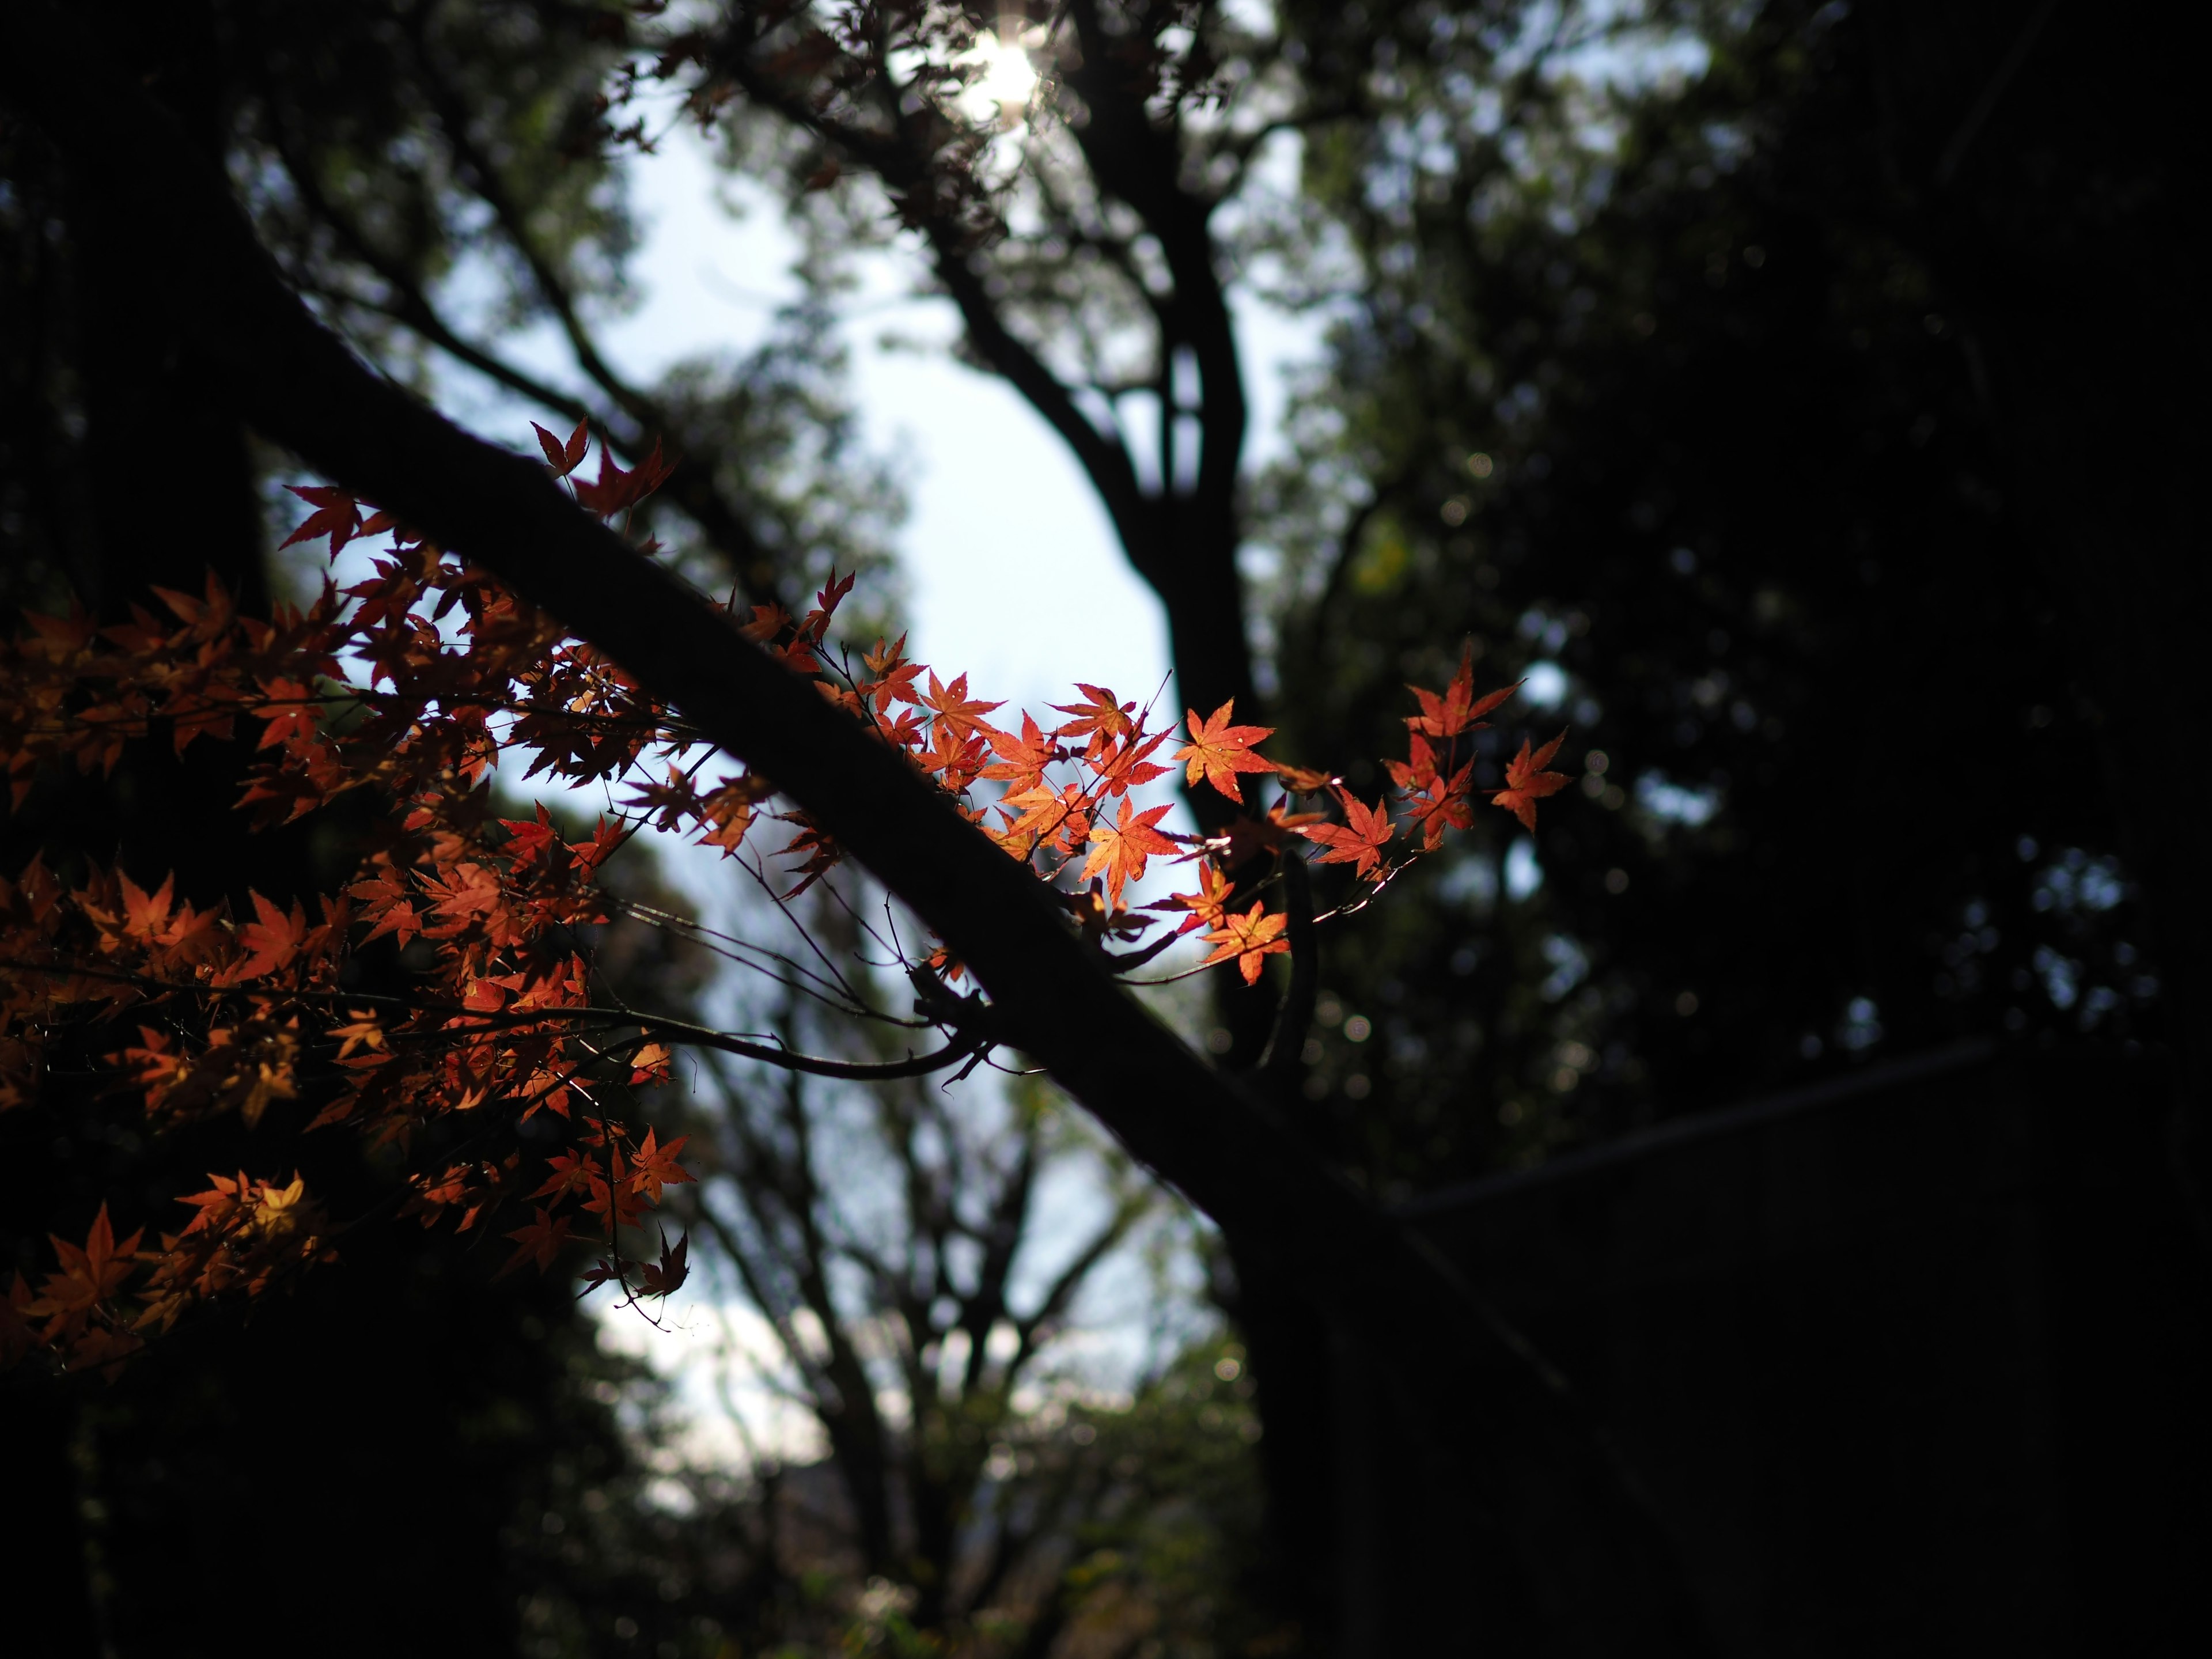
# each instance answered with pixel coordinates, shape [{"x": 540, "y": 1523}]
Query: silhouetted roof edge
[{"x": 1953, "y": 1057}]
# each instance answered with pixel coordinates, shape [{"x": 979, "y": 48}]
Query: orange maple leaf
[
  {"x": 1251, "y": 938},
  {"x": 952, "y": 705},
  {"x": 1120, "y": 849},
  {"x": 1361, "y": 842},
  {"x": 1021, "y": 760},
  {"x": 1098, "y": 711},
  {"x": 567, "y": 1173},
  {"x": 146, "y": 916},
  {"x": 1526, "y": 782},
  {"x": 88, "y": 1277},
  {"x": 1218, "y": 751},
  {"x": 1206, "y": 906},
  {"x": 1304, "y": 780},
  {"x": 653, "y": 1167},
  {"x": 1457, "y": 710}
]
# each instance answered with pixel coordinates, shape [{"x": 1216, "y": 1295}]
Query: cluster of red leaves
[{"x": 414, "y": 682}]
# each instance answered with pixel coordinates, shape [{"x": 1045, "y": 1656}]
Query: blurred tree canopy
[{"x": 1649, "y": 383}]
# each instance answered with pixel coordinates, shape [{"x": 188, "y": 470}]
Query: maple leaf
[
  {"x": 539, "y": 1242},
  {"x": 1247, "y": 835},
  {"x": 1021, "y": 759},
  {"x": 1251, "y": 938},
  {"x": 653, "y": 1167},
  {"x": 570, "y": 1173},
  {"x": 1218, "y": 751},
  {"x": 1029, "y": 813},
  {"x": 337, "y": 515},
  {"x": 1444, "y": 803},
  {"x": 291, "y": 713},
  {"x": 1359, "y": 842},
  {"x": 1126, "y": 766},
  {"x": 649, "y": 1065},
  {"x": 1304, "y": 781},
  {"x": 89, "y": 1275},
  {"x": 675, "y": 801},
  {"x": 1206, "y": 906},
  {"x": 564, "y": 458},
  {"x": 365, "y": 1031},
  {"x": 1100, "y": 712},
  {"x": 616, "y": 1194},
  {"x": 825, "y": 605},
  {"x": 1457, "y": 709},
  {"x": 615, "y": 489},
  {"x": 1121, "y": 848},
  {"x": 389, "y": 902},
  {"x": 822, "y": 854},
  {"x": 146, "y": 916},
  {"x": 729, "y": 811},
  {"x": 667, "y": 1276},
  {"x": 1418, "y": 770},
  {"x": 891, "y": 676},
  {"x": 1526, "y": 782},
  {"x": 769, "y": 621},
  {"x": 952, "y": 705},
  {"x": 272, "y": 941}
]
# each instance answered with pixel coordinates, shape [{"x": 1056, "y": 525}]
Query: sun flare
[{"x": 1003, "y": 79}]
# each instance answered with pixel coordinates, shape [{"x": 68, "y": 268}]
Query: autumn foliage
[{"x": 416, "y": 684}]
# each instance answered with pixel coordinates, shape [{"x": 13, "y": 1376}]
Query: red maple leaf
[
  {"x": 1444, "y": 803},
  {"x": 1457, "y": 710},
  {"x": 290, "y": 712},
  {"x": 1418, "y": 770},
  {"x": 564, "y": 458},
  {"x": 1526, "y": 782},
  {"x": 667, "y": 1276},
  {"x": 615, "y": 489},
  {"x": 1218, "y": 751},
  {"x": 337, "y": 515},
  {"x": 273, "y": 940},
  {"x": 1361, "y": 842}
]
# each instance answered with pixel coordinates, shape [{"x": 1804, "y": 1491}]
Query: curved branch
[{"x": 966, "y": 1046}]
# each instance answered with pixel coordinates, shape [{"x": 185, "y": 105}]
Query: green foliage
[{"x": 1652, "y": 389}]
